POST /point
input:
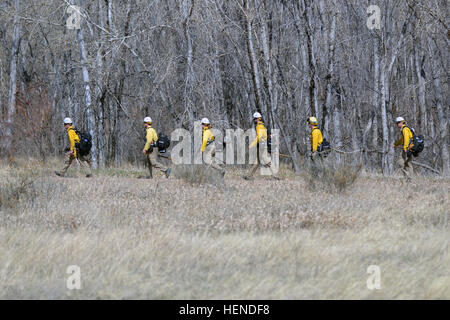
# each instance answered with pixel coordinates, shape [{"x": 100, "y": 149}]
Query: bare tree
[
  {"x": 13, "y": 78},
  {"x": 181, "y": 60}
]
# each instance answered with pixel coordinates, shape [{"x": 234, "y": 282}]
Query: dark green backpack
[
  {"x": 324, "y": 148},
  {"x": 163, "y": 142},
  {"x": 269, "y": 141},
  {"x": 417, "y": 142},
  {"x": 85, "y": 144}
]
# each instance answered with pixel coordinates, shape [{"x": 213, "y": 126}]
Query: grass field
[{"x": 233, "y": 239}]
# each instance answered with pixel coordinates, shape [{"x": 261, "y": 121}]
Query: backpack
[
  {"x": 85, "y": 144},
  {"x": 163, "y": 142},
  {"x": 269, "y": 141},
  {"x": 417, "y": 143},
  {"x": 324, "y": 148}
]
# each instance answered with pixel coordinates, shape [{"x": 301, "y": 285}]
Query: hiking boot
[
  {"x": 248, "y": 178},
  {"x": 168, "y": 173},
  {"x": 59, "y": 174},
  {"x": 89, "y": 175}
]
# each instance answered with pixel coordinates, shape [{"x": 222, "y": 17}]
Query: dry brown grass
[
  {"x": 197, "y": 174},
  {"x": 332, "y": 177},
  {"x": 262, "y": 239}
]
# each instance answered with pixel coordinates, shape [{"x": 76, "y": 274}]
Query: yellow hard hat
[{"x": 313, "y": 120}]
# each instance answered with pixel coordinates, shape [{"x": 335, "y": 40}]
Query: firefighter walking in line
[
  {"x": 209, "y": 147},
  {"x": 405, "y": 142},
  {"x": 263, "y": 158},
  {"x": 151, "y": 150},
  {"x": 73, "y": 152},
  {"x": 316, "y": 140}
]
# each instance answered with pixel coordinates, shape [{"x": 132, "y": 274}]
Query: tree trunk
[
  {"x": 443, "y": 122},
  {"x": 12, "y": 79},
  {"x": 384, "y": 121},
  {"x": 101, "y": 92},
  {"x": 329, "y": 77},
  {"x": 91, "y": 125},
  {"x": 376, "y": 94},
  {"x": 421, "y": 86},
  {"x": 314, "y": 106},
  {"x": 337, "y": 127},
  {"x": 121, "y": 84},
  {"x": 271, "y": 81},
  {"x": 189, "y": 76},
  {"x": 253, "y": 59}
]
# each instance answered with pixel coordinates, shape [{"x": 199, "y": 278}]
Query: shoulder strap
[
  {"x": 77, "y": 132},
  {"x": 316, "y": 129},
  {"x": 412, "y": 131}
]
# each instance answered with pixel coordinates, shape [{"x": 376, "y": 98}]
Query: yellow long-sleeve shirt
[
  {"x": 207, "y": 136},
  {"x": 261, "y": 135},
  {"x": 315, "y": 138},
  {"x": 73, "y": 139},
  {"x": 151, "y": 136},
  {"x": 406, "y": 138}
]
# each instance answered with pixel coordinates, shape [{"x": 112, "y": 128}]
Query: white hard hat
[
  {"x": 257, "y": 115},
  {"x": 148, "y": 120},
  {"x": 67, "y": 121},
  {"x": 399, "y": 119},
  {"x": 205, "y": 121}
]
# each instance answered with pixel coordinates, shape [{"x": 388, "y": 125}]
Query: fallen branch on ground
[{"x": 425, "y": 166}]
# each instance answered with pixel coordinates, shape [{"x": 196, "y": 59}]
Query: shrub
[
  {"x": 15, "y": 188},
  {"x": 332, "y": 177},
  {"x": 197, "y": 174}
]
